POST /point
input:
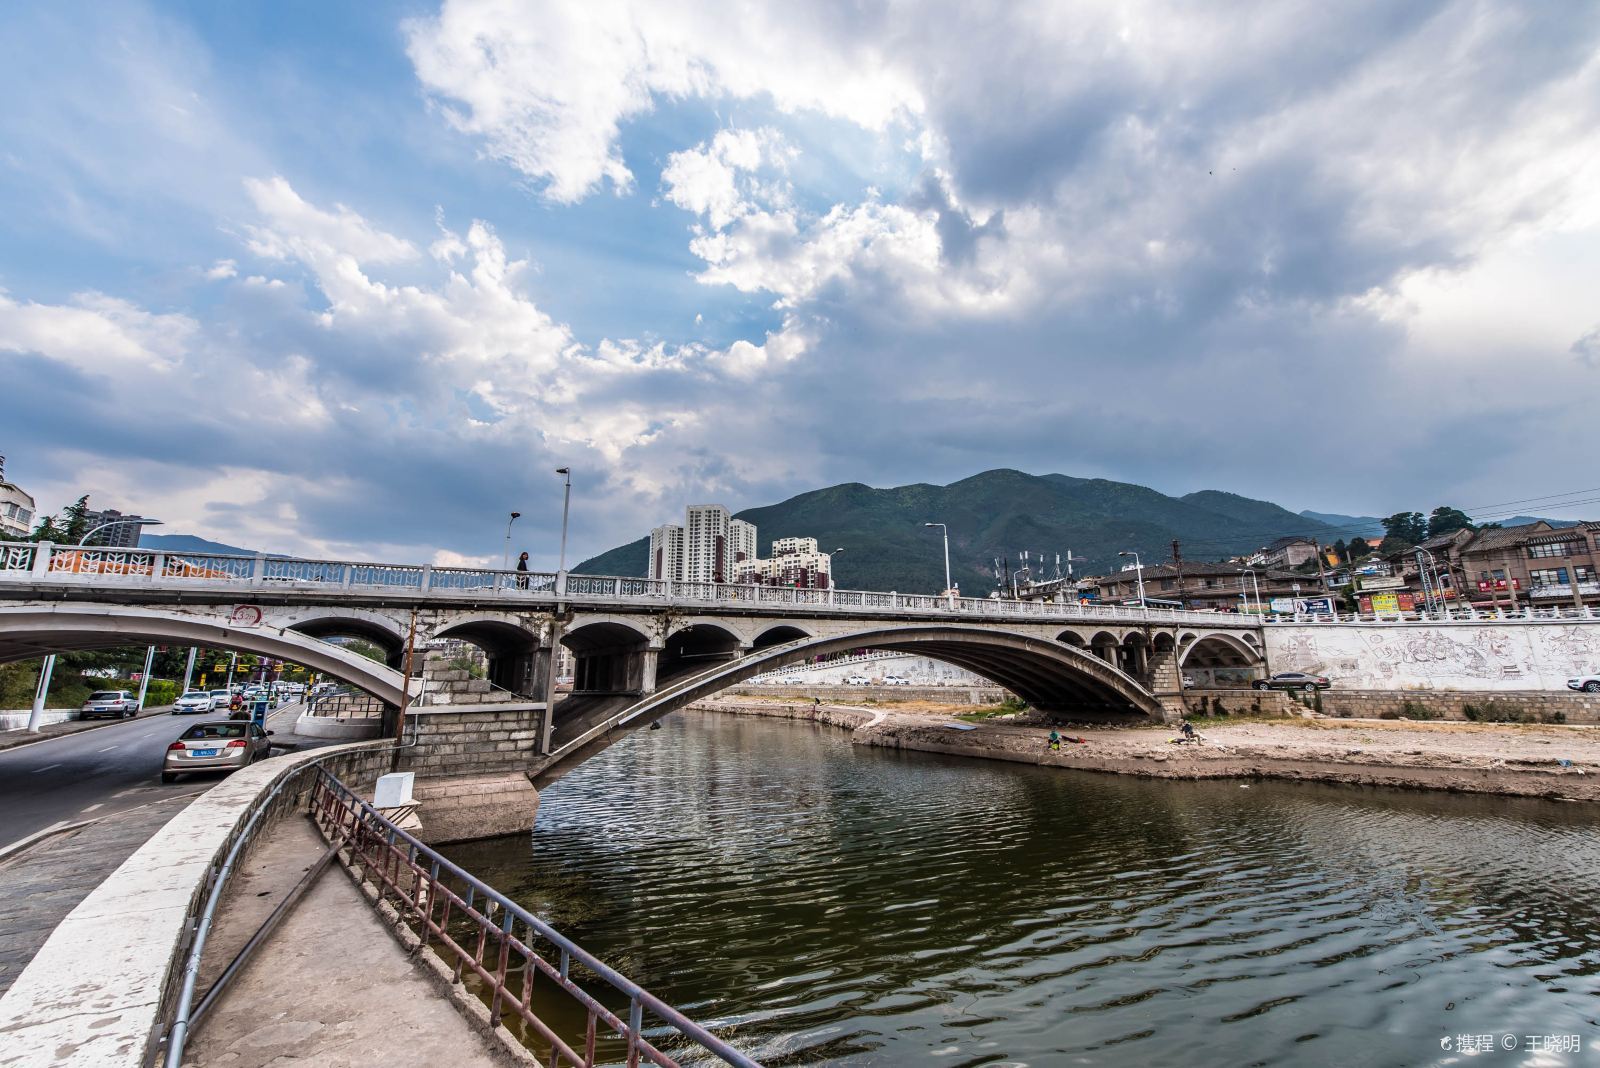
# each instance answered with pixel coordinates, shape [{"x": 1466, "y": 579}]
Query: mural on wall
[{"x": 1459, "y": 656}]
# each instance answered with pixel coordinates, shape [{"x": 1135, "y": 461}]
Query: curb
[{"x": 22, "y": 845}]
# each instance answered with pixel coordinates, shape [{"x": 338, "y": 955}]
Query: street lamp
[
  {"x": 117, "y": 523},
  {"x": 1138, "y": 571},
  {"x": 566, "y": 501},
  {"x": 1254, "y": 584},
  {"x": 505, "y": 559},
  {"x": 946, "y": 532}
]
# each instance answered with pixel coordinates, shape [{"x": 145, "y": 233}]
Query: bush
[
  {"x": 1416, "y": 710},
  {"x": 1492, "y": 712},
  {"x": 159, "y": 692}
]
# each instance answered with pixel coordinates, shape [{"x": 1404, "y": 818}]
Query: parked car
[
  {"x": 210, "y": 746},
  {"x": 1292, "y": 680},
  {"x": 896, "y": 680},
  {"x": 857, "y": 680},
  {"x": 115, "y": 704},
  {"x": 1188, "y": 682},
  {"x": 220, "y": 699},
  {"x": 193, "y": 702},
  {"x": 1589, "y": 683}
]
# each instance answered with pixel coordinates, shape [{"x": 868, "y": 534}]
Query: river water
[{"x": 822, "y": 903}]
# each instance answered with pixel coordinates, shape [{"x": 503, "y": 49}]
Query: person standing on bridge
[{"x": 522, "y": 572}]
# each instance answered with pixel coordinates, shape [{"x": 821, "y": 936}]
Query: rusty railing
[{"x": 479, "y": 931}]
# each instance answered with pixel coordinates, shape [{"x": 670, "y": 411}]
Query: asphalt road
[{"x": 100, "y": 772}]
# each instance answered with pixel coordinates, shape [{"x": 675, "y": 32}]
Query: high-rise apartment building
[
  {"x": 795, "y": 562},
  {"x": 122, "y": 534},
  {"x": 710, "y": 546},
  {"x": 666, "y": 552}
]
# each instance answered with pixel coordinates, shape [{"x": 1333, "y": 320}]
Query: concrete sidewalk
[{"x": 331, "y": 986}]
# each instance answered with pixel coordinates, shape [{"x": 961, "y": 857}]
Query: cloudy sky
[{"x": 348, "y": 279}]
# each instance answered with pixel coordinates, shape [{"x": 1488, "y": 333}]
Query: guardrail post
[
  {"x": 347, "y": 573},
  {"x": 427, "y": 576},
  {"x": 258, "y": 569},
  {"x": 158, "y": 567},
  {"x": 41, "y": 557}
]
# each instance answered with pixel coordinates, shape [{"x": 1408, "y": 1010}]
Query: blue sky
[{"x": 354, "y": 279}]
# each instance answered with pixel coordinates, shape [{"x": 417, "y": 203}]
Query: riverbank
[{"x": 1550, "y": 762}]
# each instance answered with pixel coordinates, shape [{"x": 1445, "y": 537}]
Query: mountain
[
  {"x": 1524, "y": 520},
  {"x": 188, "y": 543},
  {"x": 1349, "y": 526},
  {"x": 999, "y": 514}
]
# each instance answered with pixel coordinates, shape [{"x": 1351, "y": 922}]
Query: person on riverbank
[
  {"x": 1055, "y": 741},
  {"x": 522, "y": 572}
]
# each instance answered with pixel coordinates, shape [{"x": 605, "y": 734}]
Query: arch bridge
[{"x": 640, "y": 648}]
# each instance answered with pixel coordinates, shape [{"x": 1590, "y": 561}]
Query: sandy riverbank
[{"x": 1509, "y": 759}]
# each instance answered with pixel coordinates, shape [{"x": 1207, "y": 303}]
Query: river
[{"x": 854, "y": 906}]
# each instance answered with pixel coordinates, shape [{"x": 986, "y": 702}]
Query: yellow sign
[{"x": 1385, "y": 602}]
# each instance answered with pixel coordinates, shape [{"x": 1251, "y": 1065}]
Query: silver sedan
[{"x": 220, "y": 745}]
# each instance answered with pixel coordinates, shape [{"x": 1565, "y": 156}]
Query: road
[{"x": 99, "y": 773}]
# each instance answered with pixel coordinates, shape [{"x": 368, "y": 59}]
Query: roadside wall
[
  {"x": 1239, "y": 702},
  {"x": 944, "y": 695},
  {"x": 456, "y": 741},
  {"x": 1517, "y": 706},
  {"x": 1490, "y": 655}
]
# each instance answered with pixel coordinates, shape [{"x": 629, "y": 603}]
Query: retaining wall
[
  {"x": 944, "y": 695},
  {"x": 466, "y": 740},
  {"x": 1524, "y": 706},
  {"x": 101, "y": 990}
]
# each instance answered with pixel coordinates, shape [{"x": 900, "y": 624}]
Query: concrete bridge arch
[{"x": 31, "y": 631}]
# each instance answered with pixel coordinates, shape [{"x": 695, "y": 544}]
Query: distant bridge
[{"x": 642, "y": 647}]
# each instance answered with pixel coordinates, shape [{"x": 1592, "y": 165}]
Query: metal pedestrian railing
[{"x": 482, "y": 934}]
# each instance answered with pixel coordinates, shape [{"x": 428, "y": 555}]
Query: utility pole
[
  {"x": 405, "y": 687},
  {"x": 1177, "y": 559},
  {"x": 144, "y": 676},
  {"x": 41, "y": 691},
  {"x": 1322, "y": 571},
  {"x": 188, "y": 671}
]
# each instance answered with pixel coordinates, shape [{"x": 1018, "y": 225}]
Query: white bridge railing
[
  {"x": 44, "y": 563},
  {"x": 74, "y": 565}
]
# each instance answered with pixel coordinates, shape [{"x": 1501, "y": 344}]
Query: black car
[{"x": 1292, "y": 680}]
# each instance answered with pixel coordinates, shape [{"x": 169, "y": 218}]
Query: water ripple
[{"x": 837, "y": 906}]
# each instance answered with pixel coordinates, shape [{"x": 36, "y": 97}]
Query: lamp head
[
  {"x": 563, "y": 470},
  {"x": 516, "y": 515}
]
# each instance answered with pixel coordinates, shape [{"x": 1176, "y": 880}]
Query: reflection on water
[{"x": 826, "y": 904}]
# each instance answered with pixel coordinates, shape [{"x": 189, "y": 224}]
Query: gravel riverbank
[{"x": 1552, "y": 762}]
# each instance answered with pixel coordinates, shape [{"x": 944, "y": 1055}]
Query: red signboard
[{"x": 1485, "y": 585}]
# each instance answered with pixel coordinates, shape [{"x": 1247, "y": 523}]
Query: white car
[
  {"x": 1589, "y": 683},
  {"x": 857, "y": 680},
  {"x": 1188, "y": 682},
  {"x": 193, "y": 702},
  {"x": 896, "y": 680}
]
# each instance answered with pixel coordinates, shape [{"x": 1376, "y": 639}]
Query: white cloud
[
  {"x": 222, "y": 269},
  {"x": 548, "y": 86},
  {"x": 295, "y": 229},
  {"x": 96, "y": 334}
]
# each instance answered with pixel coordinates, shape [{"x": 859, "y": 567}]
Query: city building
[
  {"x": 1535, "y": 565},
  {"x": 1218, "y": 587},
  {"x": 123, "y": 533},
  {"x": 1289, "y": 552},
  {"x": 795, "y": 562},
  {"x": 666, "y": 552},
  {"x": 17, "y": 509},
  {"x": 710, "y": 546}
]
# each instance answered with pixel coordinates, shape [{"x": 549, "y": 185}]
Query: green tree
[
  {"x": 1357, "y": 549},
  {"x": 1403, "y": 530},
  {"x": 1446, "y": 520},
  {"x": 75, "y": 520}
]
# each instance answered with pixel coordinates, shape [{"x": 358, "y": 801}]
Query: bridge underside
[{"x": 1049, "y": 676}]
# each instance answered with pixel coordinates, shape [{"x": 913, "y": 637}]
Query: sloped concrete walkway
[{"x": 331, "y": 986}]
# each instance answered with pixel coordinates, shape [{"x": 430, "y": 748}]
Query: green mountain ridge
[{"x": 997, "y": 514}]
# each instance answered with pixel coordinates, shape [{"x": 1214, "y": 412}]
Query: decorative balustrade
[{"x": 48, "y": 563}]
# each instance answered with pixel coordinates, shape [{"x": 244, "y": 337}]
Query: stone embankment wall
[
  {"x": 1240, "y": 702},
  {"x": 1525, "y": 706},
  {"x": 471, "y": 764},
  {"x": 943, "y": 695},
  {"x": 1478, "y": 655}
]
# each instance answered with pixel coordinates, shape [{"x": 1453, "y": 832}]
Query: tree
[
  {"x": 1403, "y": 530},
  {"x": 75, "y": 520},
  {"x": 1446, "y": 520},
  {"x": 1358, "y": 548}
]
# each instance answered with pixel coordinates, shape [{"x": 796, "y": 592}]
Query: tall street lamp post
[
  {"x": 505, "y": 559},
  {"x": 1138, "y": 572},
  {"x": 566, "y": 502},
  {"x": 47, "y": 669},
  {"x": 944, "y": 530},
  {"x": 1253, "y": 583}
]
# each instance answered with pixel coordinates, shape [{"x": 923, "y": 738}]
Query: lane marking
[
  {"x": 47, "y": 767},
  {"x": 107, "y": 749},
  {"x": 91, "y": 808}
]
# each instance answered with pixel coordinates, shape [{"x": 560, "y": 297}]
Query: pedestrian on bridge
[{"x": 522, "y": 572}]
